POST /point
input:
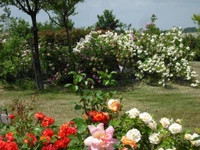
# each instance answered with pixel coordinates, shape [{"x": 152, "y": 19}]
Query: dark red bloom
[
  {"x": 10, "y": 136},
  {"x": 11, "y": 116},
  {"x": 39, "y": 115},
  {"x": 30, "y": 139}
]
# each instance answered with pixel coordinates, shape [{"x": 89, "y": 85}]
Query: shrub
[
  {"x": 145, "y": 55},
  {"x": 194, "y": 44}
]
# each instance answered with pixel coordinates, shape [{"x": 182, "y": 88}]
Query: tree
[
  {"x": 107, "y": 21},
  {"x": 190, "y": 29},
  {"x": 62, "y": 10},
  {"x": 196, "y": 19},
  {"x": 31, "y": 8}
]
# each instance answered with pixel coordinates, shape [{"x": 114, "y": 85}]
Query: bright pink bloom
[{"x": 101, "y": 139}]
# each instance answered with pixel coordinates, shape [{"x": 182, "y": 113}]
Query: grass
[{"x": 176, "y": 101}]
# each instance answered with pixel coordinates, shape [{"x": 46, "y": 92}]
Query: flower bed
[{"x": 102, "y": 127}]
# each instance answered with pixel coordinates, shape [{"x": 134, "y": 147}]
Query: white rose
[
  {"x": 154, "y": 138},
  {"x": 153, "y": 125},
  {"x": 196, "y": 143},
  {"x": 187, "y": 137},
  {"x": 145, "y": 117},
  {"x": 161, "y": 149},
  {"x": 165, "y": 122},
  {"x": 134, "y": 135},
  {"x": 193, "y": 136},
  {"x": 175, "y": 128},
  {"x": 133, "y": 113}
]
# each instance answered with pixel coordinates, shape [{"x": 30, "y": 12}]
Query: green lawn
[{"x": 176, "y": 101}]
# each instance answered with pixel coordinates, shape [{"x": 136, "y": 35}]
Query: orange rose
[
  {"x": 98, "y": 116},
  {"x": 30, "y": 139},
  {"x": 114, "y": 105},
  {"x": 127, "y": 141}
]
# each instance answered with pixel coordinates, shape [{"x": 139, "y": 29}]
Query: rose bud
[
  {"x": 11, "y": 116},
  {"x": 114, "y": 105}
]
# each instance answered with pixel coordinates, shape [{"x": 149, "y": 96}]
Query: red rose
[
  {"x": 2, "y": 145},
  {"x": 10, "y": 136},
  {"x": 47, "y": 121},
  {"x": 48, "y": 132},
  {"x": 11, "y": 146},
  {"x": 39, "y": 115},
  {"x": 49, "y": 147},
  {"x": 62, "y": 143}
]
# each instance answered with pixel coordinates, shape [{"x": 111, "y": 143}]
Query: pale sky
[{"x": 136, "y": 12}]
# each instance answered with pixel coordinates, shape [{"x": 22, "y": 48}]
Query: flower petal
[
  {"x": 100, "y": 126},
  {"x": 90, "y": 140},
  {"x": 110, "y": 130}
]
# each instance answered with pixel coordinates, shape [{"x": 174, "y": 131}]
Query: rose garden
[{"x": 100, "y": 61}]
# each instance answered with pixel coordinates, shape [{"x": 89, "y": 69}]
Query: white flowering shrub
[{"x": 144, "y": 54}]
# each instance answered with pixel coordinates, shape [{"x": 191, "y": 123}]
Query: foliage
[
  {"x": 62, "y": 10},
  {"x": 107, "y": 21},
  {"x": 48, "y": 25},
  {"x": 15, "y": 59},
  {"x": 31, "y": 8},
  {"x": 145, "y": 55},
  {"x": 190, "y": 29},
  {"x": 196, "y": 19},
  {"x": 15, "y": 53},
  {"x": 55, "y": 58},
  {"x": 194, "y": 44}
]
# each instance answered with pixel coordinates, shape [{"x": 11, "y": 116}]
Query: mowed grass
[{"x": 175, "y": 101}]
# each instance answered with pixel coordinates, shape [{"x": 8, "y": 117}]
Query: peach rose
[
  {"x": 114, "y": 105},
  {"x": 126, "y": 141}
]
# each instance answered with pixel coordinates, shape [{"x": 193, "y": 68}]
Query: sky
[{"x": 170, "y": 13}]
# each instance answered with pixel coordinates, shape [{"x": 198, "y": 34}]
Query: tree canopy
[{"x": 196, "y": 19}]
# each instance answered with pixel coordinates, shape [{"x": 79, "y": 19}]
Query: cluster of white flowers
[
  {"x": 147, "y": 55},
  {"x": 193, "y": 138},
  {"x": 165, "y": 128}
]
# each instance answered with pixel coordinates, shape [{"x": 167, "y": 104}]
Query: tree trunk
[{"x": 35, "y": 53}]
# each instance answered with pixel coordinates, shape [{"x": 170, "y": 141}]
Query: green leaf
[
  {"x": 72, "y": 73},
  {"x": 74, "y": 88},
  {"x": 68, "y": 85},
  {"x": 77, "y": 107},
  {"x": 81, "y": 125},
  {"x": 115, "y": 123}
]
